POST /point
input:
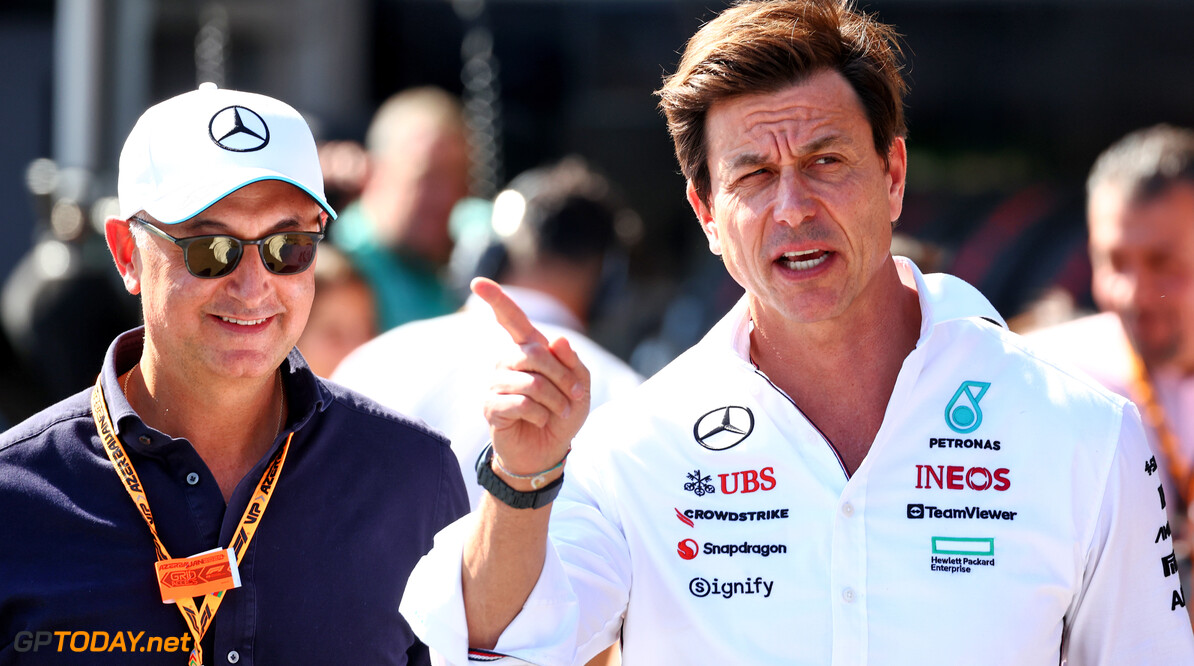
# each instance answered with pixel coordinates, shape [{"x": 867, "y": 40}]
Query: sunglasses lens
[
  {"x": 288, "y": 253},
  {"x": 214, "y": 256}
]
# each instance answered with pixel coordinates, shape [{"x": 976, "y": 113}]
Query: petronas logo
[{"x": 963, "y": 414}]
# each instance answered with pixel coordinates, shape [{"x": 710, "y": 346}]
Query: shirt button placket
[{"x": 848, "y": 570}]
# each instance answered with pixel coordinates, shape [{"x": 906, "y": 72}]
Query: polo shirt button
[
  {"x": 145, "y": 439},
  {"x": 848, "y": 595},
  {"x": 193, "y": 479},
  {"x": 233, "y": 657},
  {"x": 848, "y": 509}
]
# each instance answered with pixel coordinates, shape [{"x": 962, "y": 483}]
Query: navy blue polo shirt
[{"x": 362, "y": 493}]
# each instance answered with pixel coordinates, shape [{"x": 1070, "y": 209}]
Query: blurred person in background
[
  {"x": 342, "y": 314},
  {"x": 1140, "y": 215},
  {"x": 139, "y": 510},
  {"x": 396, "y": 233},
  {"x": 555, "y": 226},
  {"x": 61, "y": 304}
]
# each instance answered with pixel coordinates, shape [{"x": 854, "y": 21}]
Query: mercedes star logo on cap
[
  {"x": 238, "y": 129},
  {"x": 724, "y": 427}
]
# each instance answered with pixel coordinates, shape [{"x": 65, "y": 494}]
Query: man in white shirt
[
  {"x": 858, "y": 464},
  {"x": 1140, "y": 213},
  {"x": 556, "y": 225}
]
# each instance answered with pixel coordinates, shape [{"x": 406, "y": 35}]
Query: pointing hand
[{"x": 540, "y": 396}]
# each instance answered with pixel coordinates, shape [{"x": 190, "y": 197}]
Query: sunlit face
[
  {"x": 425, "y": 182},
  {"x": 1142, "y": 255},
  {"x": 801, "y": 202},
  {"x": 240, "y": 325}
]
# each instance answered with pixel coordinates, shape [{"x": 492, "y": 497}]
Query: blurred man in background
[
  {"x": 342, "y": 313},
  {"x": 396, "y": 234},
  {"x": 1140, "y": 213},
  {"x": 556, "y": 226}
]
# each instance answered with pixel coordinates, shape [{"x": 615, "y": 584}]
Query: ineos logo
[
  {"x": 724, "y": 427},
  {"x": 238, "y": 129}
]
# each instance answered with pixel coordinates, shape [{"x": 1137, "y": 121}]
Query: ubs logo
[
  {"x": 238, "y": 129},
  {"x": 699, "y": 485},
  {"x": 724, "y": 427}
]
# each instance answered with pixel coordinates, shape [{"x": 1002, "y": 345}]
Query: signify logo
[{"x": 963, "y": 414}]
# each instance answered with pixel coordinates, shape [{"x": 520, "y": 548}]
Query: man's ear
[
  {"x": 124, "y": 251},
  {"x": 897, "y": 173},
  {"x": 705, "y": 218}
]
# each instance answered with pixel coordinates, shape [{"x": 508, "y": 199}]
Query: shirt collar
[
  {"x": 943, "y": 298},
  {"x": 305, "y": 393}
]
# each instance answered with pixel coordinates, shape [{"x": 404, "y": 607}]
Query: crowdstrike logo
[
  {"x": 238, "y": 129},
  {"x": 963, "y": 414},
  {"x": 724, "y": 427}
]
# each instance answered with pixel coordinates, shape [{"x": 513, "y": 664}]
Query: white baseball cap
[{"x": 190, "y": 151}]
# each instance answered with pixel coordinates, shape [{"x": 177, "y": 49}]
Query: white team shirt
[
  {"x": 1007, "y": 513},
  {"x": 440, "y": 369}
]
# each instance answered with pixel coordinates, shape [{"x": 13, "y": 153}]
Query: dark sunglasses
[{"x": 284, "y": 253}]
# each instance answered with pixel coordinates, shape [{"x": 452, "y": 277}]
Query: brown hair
[
  {"x": 1146, "y": 162},
  {"x": 762, "y": 46}
]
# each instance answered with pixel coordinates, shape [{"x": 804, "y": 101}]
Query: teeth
[
  {"x": 794, "y": 262},
  {"x": 243, "y": 322}
]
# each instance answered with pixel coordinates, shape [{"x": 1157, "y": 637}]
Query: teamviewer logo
[{"x": 916, "y": 511}]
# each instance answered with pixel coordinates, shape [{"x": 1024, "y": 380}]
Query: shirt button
[
  {"x": 848, "y": 595},
  {"x": 848, "y": 509},
  {"x": 233, "y": 657},
  {"x": 145, "y": 439},
  {"x": 193, "y": 478}
]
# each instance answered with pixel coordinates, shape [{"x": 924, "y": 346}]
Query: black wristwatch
[{"x": 502, "y": 490}]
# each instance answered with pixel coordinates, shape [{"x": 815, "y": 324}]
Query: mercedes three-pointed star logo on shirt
[
  {"x": 724, "y": 427},
  {"x": 238, "y": 129}
]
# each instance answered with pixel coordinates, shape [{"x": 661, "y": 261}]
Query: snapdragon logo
[{"x": 963, "y": 414}]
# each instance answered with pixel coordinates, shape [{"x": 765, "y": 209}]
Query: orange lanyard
[
  {"x": 1145, "y": 396},
  {"x": 198, "y": 619}
]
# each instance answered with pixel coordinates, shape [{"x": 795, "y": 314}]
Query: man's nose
[{"x": 794, "y": 198}]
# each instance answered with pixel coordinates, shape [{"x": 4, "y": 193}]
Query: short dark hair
[
  {"x": 570, "y": 212},
  {"x": 1146, "y": 162},
  {"x": 763, "y": 46}
]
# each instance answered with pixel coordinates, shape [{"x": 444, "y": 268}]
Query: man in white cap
[{"x": 210, "y": 495}]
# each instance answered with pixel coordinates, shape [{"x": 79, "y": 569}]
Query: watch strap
[{"x": 517, "y": 499}]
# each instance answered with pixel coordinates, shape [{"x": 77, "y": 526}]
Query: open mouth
[{"x": 803, "y": 261}]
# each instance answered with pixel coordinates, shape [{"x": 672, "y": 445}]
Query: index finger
[{"x": 508, "y": 314}]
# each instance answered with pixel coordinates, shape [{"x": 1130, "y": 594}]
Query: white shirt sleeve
[
  {"x": 587, "y": 567},
  {"x": 1130, "y": 609}
]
